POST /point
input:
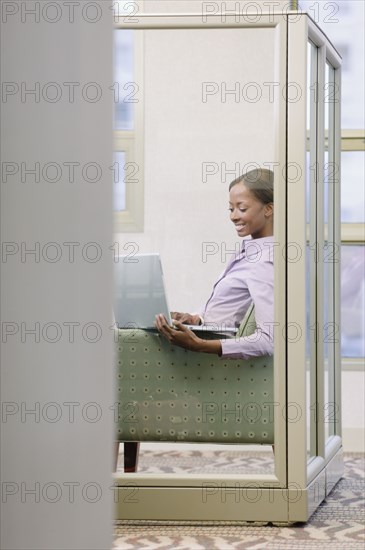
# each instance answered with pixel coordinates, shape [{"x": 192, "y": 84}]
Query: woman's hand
[
  {"x": 186, "y": 318},
  {"x": 179, "y": 336},
  {"x": 185, "y": 338}
]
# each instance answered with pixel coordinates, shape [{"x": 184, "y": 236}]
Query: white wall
[
  {"x": 353, "y": 411},
  {"x": 46, "y": 455},
  {"x": 192, "y": 141}
]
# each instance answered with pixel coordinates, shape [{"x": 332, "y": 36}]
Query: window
[
  {"x": 343, "y": 23},
  {"x": 128, "y": 123}
]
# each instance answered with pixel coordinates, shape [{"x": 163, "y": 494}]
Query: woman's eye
[{"x": 243, "y": 209}]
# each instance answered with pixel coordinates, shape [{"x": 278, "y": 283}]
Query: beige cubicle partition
[{"x": 199, "y": 125}]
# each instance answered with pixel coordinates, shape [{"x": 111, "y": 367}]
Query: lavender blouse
[{"x": 248, "y": 277}]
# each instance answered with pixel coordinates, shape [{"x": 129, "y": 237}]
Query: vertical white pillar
[{"x": 56, "y": 224}]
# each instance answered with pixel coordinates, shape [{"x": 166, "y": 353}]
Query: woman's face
[{"x": 249, "y": 215}]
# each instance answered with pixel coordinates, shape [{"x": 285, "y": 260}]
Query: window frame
[{"x": 352, "y": 233}]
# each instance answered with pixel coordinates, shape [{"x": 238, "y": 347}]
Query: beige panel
[
  {"x": 212, "y": 502},
  {"x": 297, "y": 456},
  {"x": 51, "y": 443}
]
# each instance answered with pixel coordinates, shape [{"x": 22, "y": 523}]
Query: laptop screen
[{"x": 139, "y": 291}]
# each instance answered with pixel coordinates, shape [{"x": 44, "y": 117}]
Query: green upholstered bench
[{"x": 166, "y": 393}]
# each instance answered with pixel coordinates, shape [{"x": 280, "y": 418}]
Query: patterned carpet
[{"x": 338, "y": 524}]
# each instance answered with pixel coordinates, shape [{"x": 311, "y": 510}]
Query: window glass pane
[
  {"x": 352, "y": 187},
  {"x": 353, "y": 299},
  {"x": 343, "y": 23},
  {"x": 119, "y": 181},
  {"x": 124, "y": 87}
]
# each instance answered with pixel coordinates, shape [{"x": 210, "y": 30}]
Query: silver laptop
[{"x": 140, "y": 294}]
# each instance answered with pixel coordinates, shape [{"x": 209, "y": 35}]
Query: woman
[{"x": 248, "y": 277}]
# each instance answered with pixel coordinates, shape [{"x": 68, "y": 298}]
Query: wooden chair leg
[{"x": 131, "y": 452}]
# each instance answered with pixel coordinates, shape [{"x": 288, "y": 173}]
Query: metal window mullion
[
  {"x": 313, "y": 260},
  {"x": 333, "y": 176},
  {"x": 321, "y": 67},
  {"x": 352, "y": 143},
  {"x": 337, "y": 265},
  {"x": 352, "y": 233},
  {"x": 280, "y": 271}
]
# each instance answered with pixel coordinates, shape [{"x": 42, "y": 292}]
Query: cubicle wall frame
[
  {"x": 295, "y": 490},
  {"x": 320, "y": 472}
]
